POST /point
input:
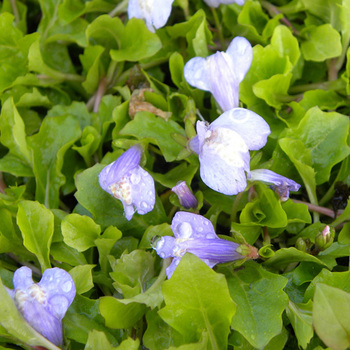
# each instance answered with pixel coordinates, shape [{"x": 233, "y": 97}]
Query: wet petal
[
  {"x": 142, "y": 190},
  {"x": 241, "y": 53},
  {"x": 189, "y": 225},
  {"x": 165, "y": 247},
  {"x": 252, "y": 128},
  {"x": 22, "y": 278},
  {"x": 196, "y": 72},
  {"x": 60, "y": 290},
  {"x": 216, "y": 3},
  {"x": 224, "y": 161},
  {"x": 223, "y": 81},
  {"x": 154, "y": 12},
  {"x": 115, "y": 171}
]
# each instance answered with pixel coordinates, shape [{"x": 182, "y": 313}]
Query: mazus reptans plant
[
  {"x": 195, "y": 234},
  {"x": 127, "y": 181},
  {"x": 44, "y": 304},
  {"x": 222, "y": 72}
]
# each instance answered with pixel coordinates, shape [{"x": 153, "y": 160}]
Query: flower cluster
[
  {"x": 127, "y": 181},
  {"x": 195, "y": 234},
  {"x": 44, "y": 304}
]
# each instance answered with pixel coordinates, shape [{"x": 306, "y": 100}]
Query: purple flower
[
  {"x": 186, "y": 197},
  {"x": 44, "y": 304},
  {"x": 195, "y": 234},
  {"x": 223, "y": 148},
  {"x": 154, "y": 12},
  {"x": 222, "y": 72},
  {"x": 216, "y": 3},
  {"x": 280, "y": 184},
  {"x": 127, "y": 181}
]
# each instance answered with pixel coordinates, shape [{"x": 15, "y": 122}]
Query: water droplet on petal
[
  {"x": 144, "y": 205},
  {"x": 209, "y": 236},
  {"x": 67, "y": 286},
  {"x": 200, "y": 229},
  {"x": 135, "y": 178},
  {"x": 162, "y": 255}
]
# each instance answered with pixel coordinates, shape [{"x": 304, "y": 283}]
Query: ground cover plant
[{"x": 174, "y": 174}]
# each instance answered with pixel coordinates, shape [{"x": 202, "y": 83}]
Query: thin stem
[
  {"x": 120, "y": 8},
  {"x": 338, "y": 84},
  {"x": 267, "y": 238},
  {"x": 15, "y": 10},
  {"x": 273, "y": 12},
  {"x": 235, "y": 207},
  {"x": 102, "y": 88},
  {"x": 219, "y": 28},
  {"x": 316, "y": 208},
  {"x": 2, "y": 184}
]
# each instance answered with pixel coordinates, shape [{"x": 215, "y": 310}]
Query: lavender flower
[
  {"x": 216, "y": 3},
  {"x": 223, "y": 148},
  {"x": 44, "y": 304},
  {"x": 280, "y": 184},
  {"x": 127, "y": 181},
  {"x": 222, "y": 72},
  {"x": 195, "y": 234},
  {"x": 186, "y": 197},
  {"x": 154, "y": 12}
]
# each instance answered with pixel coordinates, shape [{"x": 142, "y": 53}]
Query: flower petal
[
  {"x": 189, "y": 225},
  {"x": 142, "y": 190},
  {"x": 196, "y": 72},
  {"x": 161, "y": 12},
  {"x": 223, "y": 81},
  {"x": 60, "y": 290},
  {"x": 216, "y": 3},
  {"x": 282, "y": 185},
  {"x": 224, "y": 160},
  {"x": 252, "y": 128},
  {"x": 22, "y": 278},
  {"x": 171, "y": 268},
  {"x": 43, "y": 321},
  {"x": 165, "y": 247},
  {"x": 241, "y": 53},
  {"x": 115, "y": 171}
]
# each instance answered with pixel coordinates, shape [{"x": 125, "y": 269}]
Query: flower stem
[
  {"x": 15, "y": 11},
  {"x": 317, "y": 209},
  {"x": 338, "y": 84},
  {"x": 235, "y": 206},
  {"x": 219, "y": 28},
  {"x": 120, "y": 8}
]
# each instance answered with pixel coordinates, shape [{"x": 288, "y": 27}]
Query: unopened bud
[
  {"x": 300, "y": 244},
  {"x": 186, "y": 197},
  {"x": 325, "y": 238},
  {"x": 248, "y": 251}
]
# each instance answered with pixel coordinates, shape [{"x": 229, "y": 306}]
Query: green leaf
[
  {"x": 257, "y": 293},
  {"x": 83, "y": 316},
  {"x": 339, "y": 280},
  {"x": 36, "y": 224},
  {"x": 16, "y": 325},
  {"x": 82, "y": 278},
  {"x": 300, "y": 316},
  {"x": 196, "y": 307},
  {"x": 49, "y": 145},
  {"x": 286, "y": 256},
  {"x": 325, "y": 135},
  {"x": 265, "y": 211},
  {"x": 14, "y": 137},
  {"x": 323, "y": 42},
  {"x": 80, "y": 232},
  {"x": 118, "y": 315},
  {"x": 132, "y": 272},
  {"x": 157, "y": 131},
  {"x": 137, "y": 42},
  {"x": 331, "y": 316}
]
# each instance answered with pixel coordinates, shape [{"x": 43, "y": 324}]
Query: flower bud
[
  {"x": 300, "y": 244},
  {"x": 325, "y": 238},
  {"x": 186, "y": 197}
]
